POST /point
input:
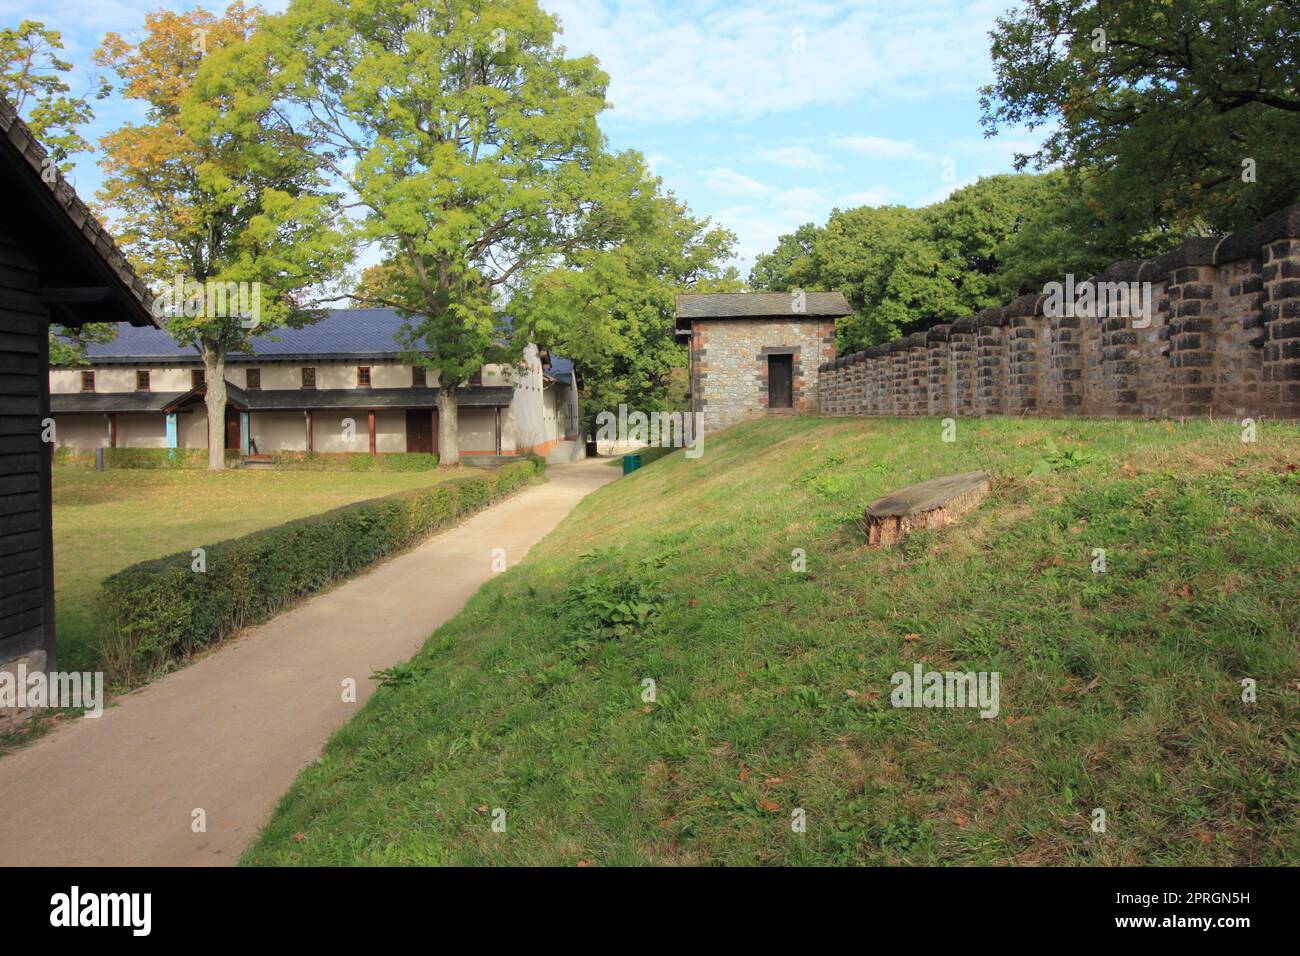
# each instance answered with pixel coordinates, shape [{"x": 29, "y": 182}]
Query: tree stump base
[{"x": 930, "y": 504}]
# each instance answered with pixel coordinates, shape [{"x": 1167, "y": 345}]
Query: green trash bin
[{"x": 631, "y": 463}]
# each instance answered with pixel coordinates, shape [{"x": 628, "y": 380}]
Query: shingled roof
[
  {"x": 758, "y": 305},
  {"x": 90, "y": 279},
  {"x": 755, "y": 305}
]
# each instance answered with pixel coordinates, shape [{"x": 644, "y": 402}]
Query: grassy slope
[
  {"x": 1119, "y": 690},
  {"x": 104, "y": 521}
]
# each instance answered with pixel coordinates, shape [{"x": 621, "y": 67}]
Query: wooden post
[
  {"x": 112, "y": 430},
  {"x": 371, "y": 416},
  {"x": 310, "y": 444},
  {"x": 435, "y": 431},
  {"x": 497, "y": 430}
]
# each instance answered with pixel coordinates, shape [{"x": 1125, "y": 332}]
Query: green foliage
[
  {"x": 160, "y": 612},
  {"x": 353, "y": 461},
  {"x": 1056, "y": 459},
  {"x": 1161, "y": 102},
  {"x": 612, "y": 309},
  {"x": 33, "y": 77},
  {"x": 218, "y": 196},
  {"x": 468, "y": 140},
  {"x": 906, "y": 269},
  {"x": 610, "y": 599},
  {"x": 150, "y": 458}
]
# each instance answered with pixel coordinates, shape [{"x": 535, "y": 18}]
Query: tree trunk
[
  {"x": 214, "y": 375},
  {"x": 448, "y": 432}
]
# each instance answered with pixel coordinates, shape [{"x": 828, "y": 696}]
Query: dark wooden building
[{"x": 57, "y": 265}]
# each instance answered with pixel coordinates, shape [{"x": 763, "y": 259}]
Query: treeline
[{"x": 904, "y": 269}]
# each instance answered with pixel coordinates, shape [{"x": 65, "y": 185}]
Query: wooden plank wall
[{"x": 26, "y": 546}]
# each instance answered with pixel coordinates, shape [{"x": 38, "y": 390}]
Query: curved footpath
[{"x": 229, "y": 733}]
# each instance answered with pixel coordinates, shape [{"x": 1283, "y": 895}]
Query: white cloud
[
  {"x": 883, "y": 148},
  {"x": 793, "y": 157},
  {"x": 875, "y": 196},
  {"x": 732, "y": 183},
  {"x": 749, "y": 58}
]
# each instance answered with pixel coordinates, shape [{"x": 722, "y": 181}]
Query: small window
[
  {"x": 308, "y": 378},
  {"x": 476, "y": 378},
  {"x": 142, "y": 380},
  {"x": 88, "y": 381},
  {"x": 363, "y": 376},
  {"x": 197, "y": 377},
  {"x": 253, "y": 379},
  {"x": 418, "y": 377}
]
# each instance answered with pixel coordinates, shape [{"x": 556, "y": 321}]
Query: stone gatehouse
[{"x": 754, "y": 354}]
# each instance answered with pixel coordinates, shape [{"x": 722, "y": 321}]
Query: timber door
[
  {"x": 419, "y": 430},
  {"x": 780, "y": 381},
  {"x": 232, "y": 430}
]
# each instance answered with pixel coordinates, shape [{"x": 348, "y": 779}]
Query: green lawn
[
  {"x": 104, "y": 521},
  {"x": 1119, "y": 690}
]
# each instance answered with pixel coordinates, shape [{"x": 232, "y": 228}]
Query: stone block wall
[
  {"x": 1221, "y": 337},
  {"x": 729, "y": 362}
]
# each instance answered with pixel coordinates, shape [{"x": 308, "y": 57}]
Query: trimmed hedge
[
  {"x": 353, "y": 461},
  {"x": 158, "y": 612},
  {"x": 197, "y": 458},
  {"x": 187, "y": 458}
]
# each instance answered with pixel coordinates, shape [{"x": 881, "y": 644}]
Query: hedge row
[
  {"x": 283, "y": 460},
  {"x": 353, "y": 461},
  {"x": 158, "y": 612},
  {"x": 190, "y": 458}
]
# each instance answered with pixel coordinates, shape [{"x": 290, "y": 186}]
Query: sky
[{"x": 760, "y": 114}]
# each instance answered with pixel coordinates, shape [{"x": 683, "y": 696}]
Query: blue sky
[{"x": 758, "y": 113}]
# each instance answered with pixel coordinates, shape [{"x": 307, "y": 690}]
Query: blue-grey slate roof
[{"x": 342, "y": 333}]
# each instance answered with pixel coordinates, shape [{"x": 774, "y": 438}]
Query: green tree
[
  {"x": 210, "y": 200},
  {"x": 1185, "y": 113},
  {"x": 34, "y": 78},
  {"x": 468, "y": 142},
  {"x": 612, "y": 308},
  {"x": 790, "y": 265},
  {"x": 905, "y": 269}
]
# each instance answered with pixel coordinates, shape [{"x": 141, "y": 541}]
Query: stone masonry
[
  {"x": 729, "y": 362},
  {"x": 1222, "y": 338}
]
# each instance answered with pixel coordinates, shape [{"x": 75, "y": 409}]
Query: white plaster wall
[
  {"x": 192, "y": 428},
  {"x": 81, "y": 431},
  {"x": 64, "y": 381},
  {"x": 528, "y": 419},
  {"x": 478, "y": 430},
  {"x": 278, "y": 431},
  {"x": 390, "y": 430},
  {"x": 327, "y": 431},
  {"x": 146, "y": 430}
]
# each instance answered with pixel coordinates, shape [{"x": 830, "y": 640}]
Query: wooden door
[
  {"x": 780, "y": 381},
  {"x": 419, "y": 430},
  {"x": 232, "y": 430}
]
